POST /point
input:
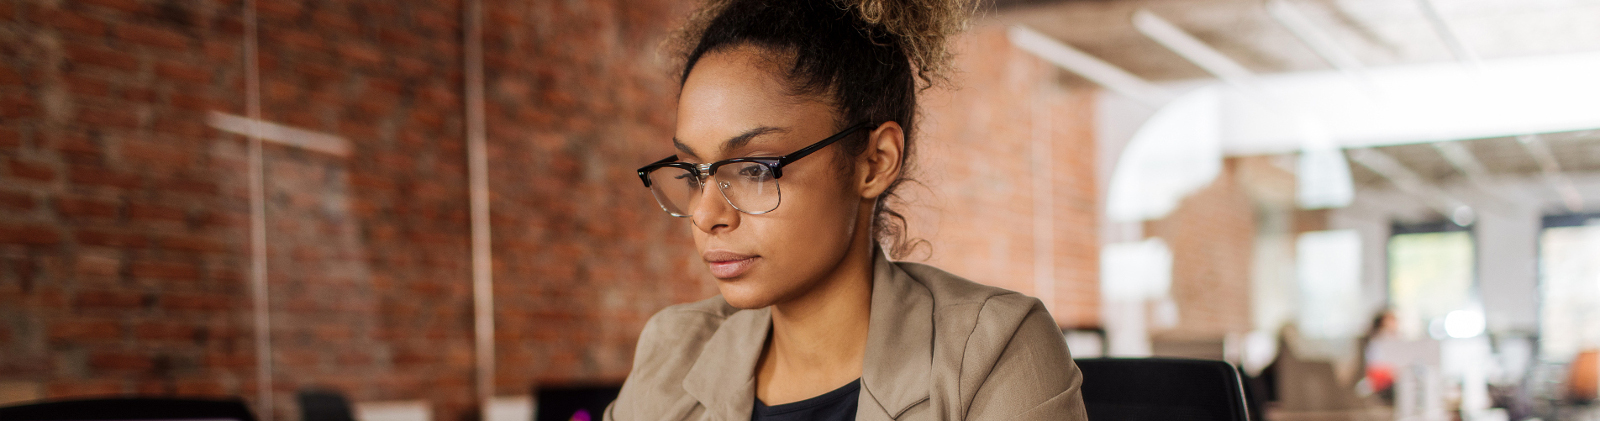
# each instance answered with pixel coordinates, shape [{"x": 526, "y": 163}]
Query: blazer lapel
[
  {"x": 723, "y": 377},
  {"x": 899, "y": 358}
]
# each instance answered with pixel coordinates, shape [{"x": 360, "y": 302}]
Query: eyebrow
[{"x": 733, "y": 143}]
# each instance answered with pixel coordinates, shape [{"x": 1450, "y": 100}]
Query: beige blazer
[{"x": 938, "y": 348}]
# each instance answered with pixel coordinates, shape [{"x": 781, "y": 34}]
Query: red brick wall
[
  {"x": 975, "y": 159},
  {"x": 124, "y": 237},
  {"x": 123, "y": 228},
  {"x": 579, "y": 98},
  {"x": 124, "y": 240}
]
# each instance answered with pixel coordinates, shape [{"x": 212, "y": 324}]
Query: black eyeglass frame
[{"x": 707, "y": 170}]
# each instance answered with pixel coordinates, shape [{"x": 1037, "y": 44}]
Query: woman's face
[{"x": 734, "y": 104}]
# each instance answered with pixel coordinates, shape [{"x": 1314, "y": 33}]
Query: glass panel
[
  {"x": 1569, "y": 277},
  {"x": 1430, "y": 275}
]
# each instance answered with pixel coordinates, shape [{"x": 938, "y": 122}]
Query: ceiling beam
[
  {"x": 1318, "y": 40},
  {"x": 1096, "y": 70},
  {"x": 1452, "y": 40},
  {"x": 1407, "y": 181},
  {"x": 1540, "y": 151},
  {"x": 1464, "y": 162},
  {"x": 1197, "y": 52}
]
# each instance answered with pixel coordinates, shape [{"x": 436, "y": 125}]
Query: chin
[{"x": 745, "y": 297}]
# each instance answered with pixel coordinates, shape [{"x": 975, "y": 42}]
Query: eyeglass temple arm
[
  {"x": 786, "y": 159},
  {"x": 644, "y": 173}
]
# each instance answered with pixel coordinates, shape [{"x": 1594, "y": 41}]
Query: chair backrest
[
  {"x": 567, "y": 402},
  {"x": 323, "y": 405},
  {"x": 129, "y": 408},
  {"x": 1134, "y": 389}
]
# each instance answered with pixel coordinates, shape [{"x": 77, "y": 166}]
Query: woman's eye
[
  {"x": 688, "y": 179},
  {"x": 756, "y": 173}
]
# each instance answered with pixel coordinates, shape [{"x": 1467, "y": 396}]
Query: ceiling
[
  {"x": 1575, "y": 152},
  {"x": 1377, "y": 32}
]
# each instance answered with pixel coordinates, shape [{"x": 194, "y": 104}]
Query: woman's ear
[{"x": 881, "y": 163}]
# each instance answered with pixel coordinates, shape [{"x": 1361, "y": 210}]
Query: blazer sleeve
[{"x": 1017, "y": 361}]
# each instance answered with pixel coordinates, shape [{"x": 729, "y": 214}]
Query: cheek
[{"x": 816, "y": 216}]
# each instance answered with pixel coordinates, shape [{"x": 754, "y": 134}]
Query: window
[
  {"x": 1569, "y": 285},
  {"x": 1431, "y": 274}
]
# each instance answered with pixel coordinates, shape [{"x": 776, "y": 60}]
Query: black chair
[
  {"x": 561, "y": 403},
  {"x": 129, "y": 408},
  {"x": 1138, "y": 389},
  {"x": 323, "y": 405}
]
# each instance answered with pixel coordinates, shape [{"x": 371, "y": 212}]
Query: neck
[{"x": 820, "y": 338}]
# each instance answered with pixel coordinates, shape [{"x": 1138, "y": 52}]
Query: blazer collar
[
  {"x": 723, "y": 378},
  {"x": 896, "y": 367},
  {"x": 899, "y": 360}
]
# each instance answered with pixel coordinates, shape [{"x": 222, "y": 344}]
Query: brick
[
  {"x": 79, "y": 207},
  {"x": 115, "y": 300},
  {"x": 32, "y": 170},
  {"x": 145, "y": 95},
  {"x": 182, "y": 72},
  {"x": 16, "y": 201},
  {"x": 110, "y": 239},
  {"x": 97, "y": 117},
  {"x": 77, "y": 145},
  {"x": 104, "y": 57},
  {"x": 164, "y": 270},
  {"x": 156, "y": 155},
  {"x": 192, "y": 102},
  {"x": 186, "y": 126},
  {"x": 202, "y": 387},
  {"x": 301, "y": 40},
  {"x": 125, "y": 6},
  {"x": 341, "y": 23},
  {"x": 17, "y": 105},
  {"x": 87, "y": 86},
  {"x": 119, "y": 361},
  {"x": 29, "y": 235},
  {"x": 192, "y": 244},
  {"x": 9, "y": 137},
  {"x": 152, "y": 36},
  {"x": 196, "y": 302},
  {"x": 84, "y": 330},
  {"x": 71, "y": 22},
  {"x": 279, "y": 10},
  {"x": 143, "y": 211},
  {"x": 189, "y": 185},
  {"x": 74, "y": 388},
  {"x": 362, "y": 54},
  {"x": 164, "y": 331},
  {"x": 103, "y": 177},
  {"x": 91, "y": 265}
]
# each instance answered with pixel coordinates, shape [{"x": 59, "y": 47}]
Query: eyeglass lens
[{"x": 749, "y": 186}]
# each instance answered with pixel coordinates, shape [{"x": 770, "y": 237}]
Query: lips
[{"x": 727, "y": 264}]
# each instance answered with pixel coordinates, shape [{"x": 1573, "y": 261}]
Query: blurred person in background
[{"x": 795, "y": 125}]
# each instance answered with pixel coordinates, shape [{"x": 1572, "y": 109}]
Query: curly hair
[{"x": 869, "y": 57}]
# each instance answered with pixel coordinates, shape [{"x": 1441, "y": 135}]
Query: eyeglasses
[{"x": 751, "y": 186}]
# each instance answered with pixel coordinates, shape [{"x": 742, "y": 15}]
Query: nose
[{"x": 712, "y": 212}]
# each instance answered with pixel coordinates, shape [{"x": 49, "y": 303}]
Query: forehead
[{"x": 734, "y": 91}]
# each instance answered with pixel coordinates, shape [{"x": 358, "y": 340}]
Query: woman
[{"x": 795, "y": 121}]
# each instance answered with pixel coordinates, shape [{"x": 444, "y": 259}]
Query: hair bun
[{"x": 923, "y": 28}]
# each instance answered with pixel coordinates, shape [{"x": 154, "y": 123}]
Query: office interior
[{"x": 1375, "y": 209}]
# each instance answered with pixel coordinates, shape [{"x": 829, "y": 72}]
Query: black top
[{"x": 837, "y": 405}]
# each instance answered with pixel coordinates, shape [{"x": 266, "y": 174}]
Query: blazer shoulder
[{"x": 949, "y": 289}]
